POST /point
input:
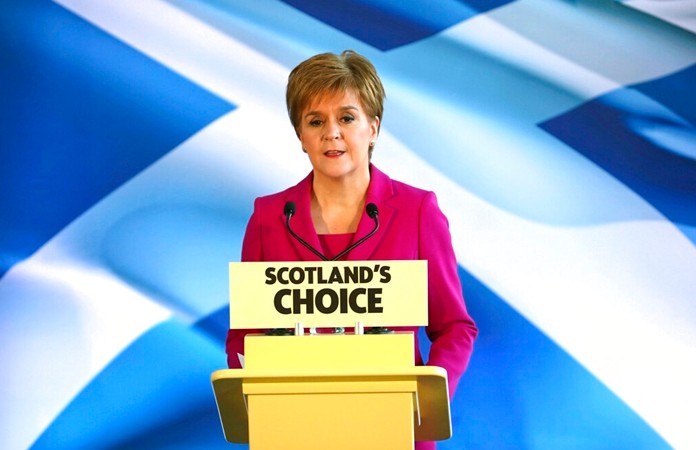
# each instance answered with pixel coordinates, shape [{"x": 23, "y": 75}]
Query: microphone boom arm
[
  {"x": 375, "y": 217},
  {"x": 372, "y": 212},
  {"x": 300, "y": 240}
]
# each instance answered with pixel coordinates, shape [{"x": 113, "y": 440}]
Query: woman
[{"x": 335, "y": 104}]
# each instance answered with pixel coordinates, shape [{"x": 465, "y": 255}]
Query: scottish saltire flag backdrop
[{"x": 559, "y": 136}]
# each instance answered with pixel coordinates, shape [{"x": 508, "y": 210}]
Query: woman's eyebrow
[{"x": 342, "y": 108}]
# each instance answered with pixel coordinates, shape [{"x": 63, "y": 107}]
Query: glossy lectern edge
[{"x": 431, "y": 392}]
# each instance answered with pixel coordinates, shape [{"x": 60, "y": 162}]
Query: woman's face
[{"x": 336, "y": 134}]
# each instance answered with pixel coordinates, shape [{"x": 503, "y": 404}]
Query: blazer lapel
[
  {"x": 379, "y": 191},
  {"x": 301, "y": 222}
]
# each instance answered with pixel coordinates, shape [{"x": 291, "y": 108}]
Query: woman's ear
[{"x": 375, "y": 128}]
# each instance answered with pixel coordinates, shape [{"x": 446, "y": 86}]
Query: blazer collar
[
  {"x": 378, "y": 192},
  {"x": 301, "y": 222}
]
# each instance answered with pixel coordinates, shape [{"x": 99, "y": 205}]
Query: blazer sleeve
[
  {"x": 450, "y": 329},
  {"x": 252, "y": 250}
]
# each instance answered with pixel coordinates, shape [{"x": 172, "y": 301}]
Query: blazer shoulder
[
  {"x": 401, "y": 188},
  {"x": 278, "y": 199},
  {"x": 406, "y": 193},
  {"x": 272, "y": 199},
  {"x": 385, "y": 188}
]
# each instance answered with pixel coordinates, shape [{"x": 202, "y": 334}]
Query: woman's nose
[{"x": 332, "y": 131}]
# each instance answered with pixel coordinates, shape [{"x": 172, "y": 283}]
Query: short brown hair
[{"x": 328, "y": 73}]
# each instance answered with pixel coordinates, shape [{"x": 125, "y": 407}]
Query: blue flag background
[{"x": 558, "y": 135}]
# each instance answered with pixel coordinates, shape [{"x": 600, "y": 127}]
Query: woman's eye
[
  {"x": 315, "y": 123},
  {"x": 348, "y": 119}
]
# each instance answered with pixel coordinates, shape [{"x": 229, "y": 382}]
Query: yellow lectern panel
[{"x": 366, "y": 384}]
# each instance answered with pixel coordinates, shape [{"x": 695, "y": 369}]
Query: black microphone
[
  {"x": 373, "y": 213},
  {"x": 289, "y": 211}
]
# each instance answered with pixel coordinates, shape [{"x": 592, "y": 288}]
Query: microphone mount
[{"x": 289, "y": 212}]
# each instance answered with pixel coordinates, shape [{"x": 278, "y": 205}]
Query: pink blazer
[{"x": 411, "y": 227}]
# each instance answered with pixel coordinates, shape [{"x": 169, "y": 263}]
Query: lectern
[{"x": 332, "y": 391}]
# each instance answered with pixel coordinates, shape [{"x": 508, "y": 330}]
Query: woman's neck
[{"x": 337, "y": 205}]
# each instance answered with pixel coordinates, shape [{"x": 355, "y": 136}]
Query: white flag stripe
[{"x": 90, "y": 317}]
